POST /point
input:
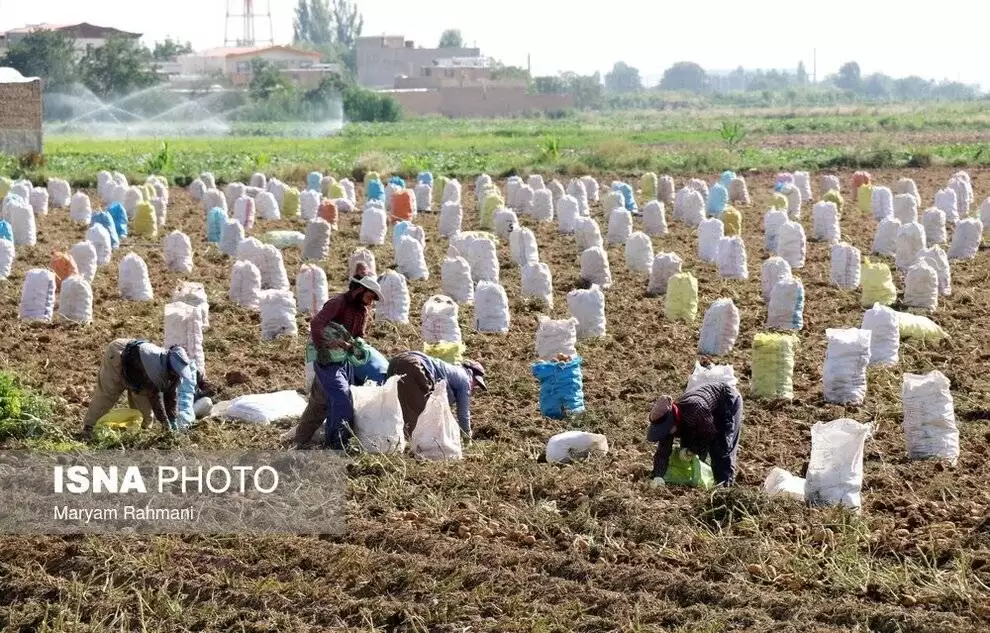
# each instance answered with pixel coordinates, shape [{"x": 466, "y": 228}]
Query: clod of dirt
[
  {"x": 529, "y": 539},
  {"x": 234, "y": 378},
  {"x": 908, "y": 601}
]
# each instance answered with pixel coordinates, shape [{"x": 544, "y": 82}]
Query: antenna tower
[{"x": 247, "y": 13}]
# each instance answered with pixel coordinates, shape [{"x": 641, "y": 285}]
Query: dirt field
[{"x": 610, "y": 553}]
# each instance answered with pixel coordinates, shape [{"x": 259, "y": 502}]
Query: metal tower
[{"x": 245, "y": 35}]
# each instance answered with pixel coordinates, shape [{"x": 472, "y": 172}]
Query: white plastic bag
[
  {"x": 655, "y": 219},
  {"x": 491, "y": 308},
  {"x": 312, "y": 289},
  {"x": 921, "y": 286},
  {"x": 278, "y": 314},
  {"x": 38, "y": 296},
  {"x": 786, "y": 308},
  {"x": 231, "y": 236},
  {"x": 772, "y": 270},
  {"x": 966, "y": 239},
  {"x": 424, "y": 197},
  {"x": 378, "y": 423},
  {"x": 568, "y": 212},
  {"x": 80, "y": 208},
  {"x": 555, "y": 338},
  {"x": 483, "y": 257},
  {"x": 184, "y": 327},
  {"x": 885, "y": 335},
  {"x": 772, "y": 221},
  {"x": 452, "y": 191},
  {"x": 436, "y": 435},
  {"x": 21, "y": 217},
  {"x": 945, "y": 199},
  {"x": 883, "y": 203},
  {"x": 938, "y": 260},
  {"x": 245, "y": 212},
  {"x": 316, "y": 246},
  {"x": 963, "y": 187},
  {"x": 266, "y": 408},
  {"x": 689, "y": 207},
  {"x": 194, "y": 294},
  {"x": 410, "y": 260},
  {"x": 451, "y": 216},
  {"x": 7, "y": 255},
  {"x": 455, "y": 277},
  {"x": 835, "y": 471},
  {"x": 374, "y": 226},
  {"x": 929, "y": 417},
  {"x": 133, "y": 281},
  {"x": 595, "y": 268},
  {"x": 802, "y": 180},
  {"x": 619, "y": 227},
  {"x": 933, "y": 221},
  {"x": 793, "y": 245},
  {"x": 665, "y": 190},
  {"x": 84, "y": 254},
  {"x": 782, "y": 483},
  {"x": 710, "y": 231},
  {"x": 885, "y": 237},
  {"x": 719, "y": 328},
  {"x": 245, "y": 284},
  {"x": 439, "y": 320},
  {"x": 639, "y": 254},
  {"x": 587, "y": 234},
  {"x": 846, "y": 358},
  {"x": 830, "y": 182},
  {"x": 542, "y": 205},
  {"x": 825, "y": 223},
  {"x": 537, "y": 283},
  {"x": 710, "y": 375},
  {"x": 739, "y": 192},
  {"x": 59, "y": 193},
  {"x": 394, "y": 305},
  {"x": 523, "y": 247},
  {"x": 178, "y": 252},
  {"x": 569, "y": 446},
  {"x": 588, "y": 307},
  {"x": 577, "y": 190},
  {"x": 273, "y": 274},
  {"x": 362, "y": 256},
  {"x": 905, "y": 208},
  {"x": 591, "y": 187},
  {"x": 846, "y": 266},
  {"x": 910, "y": 241},
  {"x": 665, "y": 266},
  {"x": 731, "y": 259},
  {"x": 39, "y": 201},
  {"x": 75, "y": 303},
  {"x": 505, "y": 221}
]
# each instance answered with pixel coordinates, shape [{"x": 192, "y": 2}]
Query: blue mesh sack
[
  {"x": 103, "y": 218},
  {"x": 374, "y": 368},
  {"x": 425, "y": 178},
  {"x": 6, "y": 232},
  {"x": 396, "y": 180},
  {"x": 314, "y": 181},
  {"x": 119, "y": 216},
  {"x": 726, "y": 178},
  {"x": 718, "y": 198},
  {"x": 185, "y": 414},
  {"x": 627, "y": 196},
  {"x": 561, "y": 387},
  {"x": 398, "y": 231},
  {"x": 215, "y": 220},
  {"x": 375, "y": 190}
]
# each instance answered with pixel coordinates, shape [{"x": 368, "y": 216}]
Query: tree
[
  {"x": 451, "y": 38},
  {"x": 685, "y": 76},
  {"x": 623, "y": 78},
  {"x": 47, "y": 54},
  {"x": 501, "y": 71},
  {"x": 169, "y": 49},
  {"x": 850, "y": 77},
  {"x": 119, "y": 67},
  {"x": 549, "y": 85},
  {"x": 266, "y": 80},
  {"x": 802, "y": 74},
  {"x": 878, "y": 86},
  {"x": 587, "y": 89},
  {"x": 331, "y": 26}
]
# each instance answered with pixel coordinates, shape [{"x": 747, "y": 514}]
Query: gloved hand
[
  {"x": 686, "y": 455},
  {"x": 657, "y": 482}
]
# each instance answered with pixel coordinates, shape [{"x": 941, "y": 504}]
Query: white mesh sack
[
  {"x": 786, "y": 308},
  {"x": 700, "y": 186},
  {"x": 524, "y": 200},
  {"x": 523, "y": 247},
  {"x": 792, "y": 246},
  {"x": 665, "y": 266},
  {"x": 910, "y": 241},
  {"x": 278, "y": 314},
  {"x": 556, "y": 338},
  {"x": 537, "y": 283},
  {"x": 639, "y": 253},
  {"x": 710, "y": 232},
  {"x": 825, "y": 223},
  {"x": 591, "y": 187},
  {"x": 885, "y": 335},
  {"x": 178, "y": 252},
  {"x": 964, "y": 192},
  {"x": 535, "y": 182},
  {"x": 133, "y": 282},
  {"x": 316, "y": 246},
  {"x": 885, "y": 237},
  {"x": 75, "y": 302},
  {"x": 231, "y": 236},
  {"x": 451, "y": 216},
  {"x": 245, "y": 284},
  {"x": 882, "y": 202},
  {"x": 266, "y": 206},
  {"x": 655, "y": 219},
  {"x": 194, "y": 294},
  {"x": 619, "y": 227},
  {"x": 802, "y": 180},
  {"x": 542, "y": 205},
  {"x": 907, "y": 186},
  {"x": 22, "y": 224},
  {"x": 59, "y": 193},
  {"x": 99, "y": 237},
  {"x": 439, "y": 320},
  {"x": 772, "y": 221},
  {"x": 731, "y": 260},
  {"x": 929, "y": 417},
  {"x": 452, "y": 192},
  {"x": 588, "y": 307},
  {"x": 455, "y": 277},
  {"x": 38, "y": 296},
  {"x": 184, "y": 327},
  {"x": 133, "y": 196},
  {"x": 613, "y": 200},
  {"x": 738, "y": 191},
  {"x": 394, "y": 305},
  {"x": 719, "y": 328},
  {"x": 921, "y": 287},
  {"x": 938, "y": 260},
  {"x": 835, "y": 470},
  {"x": 794, "y": 201},
  {"x": 504, "y": 221},
  {"x": 556, "y": 190},
  {"x": 213, "y": 198},
  {"x": 39, "y": 201},
  {"x": 7, "y": 255},
  {"x": 966, "y": 238},
  {"x": 595, "y": 268},
  {"x": 577, "y": 190},
  {"x": 161, "y": 211},
  {"x": 233, "y": 191},
  {"x": 84, "y": 255},
  {"x": 945, "y": 199},
  {"x": 491, "y": 308},
  {"x": 374, "y": 226},
  {"x": 104, "y": 179},
  {"x": 483, "y": 257},
  {"x": 846, "y": 266},
  {"x": 512, "y": 185},
  {"x": 689, "y": 207},
  {"x": 311, "y": 289},
  {"x": 846, "y": 358},
  {"x": 348, "y": 186},
  {"x": 309, "y": 204},
  {"x": 772, "y": 270},
  {"x": 665, "y": 190},
  {"x": 933, "y": 221},
  {"x": 568, "y": 213},
  {"x": 424, "y": 197},
  {"x": 362, "y": 256},
  {"x": 259, "y": 180},
  {"x": 80, "y": 208},
  {"x": 273, "y": 274},
  {"x": 905, "y": 208},
  {"x": 587, "y": 234},
  {"x": 713, "y": 374}
]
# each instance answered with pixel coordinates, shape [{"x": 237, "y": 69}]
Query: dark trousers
[
  {"x": 415, "y": 387},
  {"x": 336, "y": 379},
  {"x": 725, "y": 448}
]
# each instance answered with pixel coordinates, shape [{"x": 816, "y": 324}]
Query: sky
[{"x": 883, "y": 36}]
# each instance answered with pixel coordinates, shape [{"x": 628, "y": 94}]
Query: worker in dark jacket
[
  {"x": 420, "y": 374},
  {"x": 148, "y": 373},
  {"x": 352, "y": 311},
  {"x": 707, "y": 421}
]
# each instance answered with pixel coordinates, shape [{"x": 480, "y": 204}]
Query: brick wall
[
  {"x": 477, "y": 102},
  {"x": 20, "y": 118}
]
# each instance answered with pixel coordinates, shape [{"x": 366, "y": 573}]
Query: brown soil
[{"x": 446, "y": 547}]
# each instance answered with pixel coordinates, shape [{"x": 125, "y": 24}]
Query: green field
[{"x": 625, "y": 143}]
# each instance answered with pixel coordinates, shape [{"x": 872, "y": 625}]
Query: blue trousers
[{"x": 336, "y": 380}]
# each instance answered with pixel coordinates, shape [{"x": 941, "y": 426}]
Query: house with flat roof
[{"x": 86, "y": 35}]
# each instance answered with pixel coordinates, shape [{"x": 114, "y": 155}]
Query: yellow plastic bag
[
  {"x": 919, "y": 328},
  {"x": 773, "y": 366},
  {"x": 290, "y": 202},
  {"x": 336, "y": 191},
  {"x": 649, "y": 186},
  {"x": 864, "y": 198},
  {"x": 492, "y": 202},
  {"x": 836, "y": 198},
  {"x": 681, "y": 303},
  {"x": 145, "y": 222},
  {"x": 731, "y": 222},
  {"x": 878, "y": 284},
  {"x": 121, "y": 419},
  {"x": 452, "y": 353},
  {"x": 778, "y": 201}
]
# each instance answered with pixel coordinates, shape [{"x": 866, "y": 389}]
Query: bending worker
[
  {"x": 421, "y": 373},
  {"x": 148, "y": 373},
  {"x": 707, "y": 421},
  {"x": 352, "y": 311}
]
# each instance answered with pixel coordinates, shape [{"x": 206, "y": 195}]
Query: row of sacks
[{"x": 904, "y": 240}]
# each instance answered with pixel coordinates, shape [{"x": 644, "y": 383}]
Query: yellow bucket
[{"x": 121, "y": 419}]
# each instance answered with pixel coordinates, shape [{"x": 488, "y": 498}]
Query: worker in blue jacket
[{"x": 420, "y": 374}]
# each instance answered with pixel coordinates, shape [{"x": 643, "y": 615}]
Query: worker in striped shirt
[{"x": 707, "y": 421}]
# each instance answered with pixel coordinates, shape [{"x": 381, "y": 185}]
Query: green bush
[
  {"x": 368, "y": 107},
  {"x": 24, "y": 414}
]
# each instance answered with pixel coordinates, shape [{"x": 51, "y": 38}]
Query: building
[
  {"x": 87, "y": 36},
  {"x": 20, "y": 113},
  {"x": 301, "y": 67},
  {"x": 380, "y": 59}
]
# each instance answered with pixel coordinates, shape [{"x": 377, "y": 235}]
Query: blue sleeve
[{"x": 462, "y": 395}]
